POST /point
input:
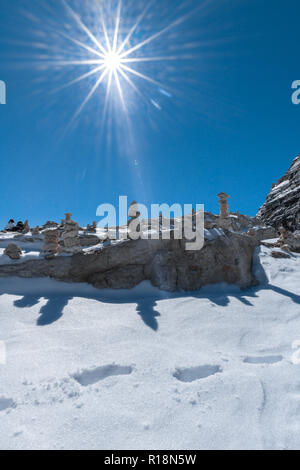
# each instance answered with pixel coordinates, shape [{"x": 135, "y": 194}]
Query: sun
[
  {"x": 112, "y": 61},
  {"x": 113, "y": 57}
]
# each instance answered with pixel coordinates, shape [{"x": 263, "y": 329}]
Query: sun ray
[
  {"x": 141, "y": 75},
  {"x": 116, "y": 34},
  {"x": 92, "y": 91},
  {"x": 154, "y": 59},
  {"x": 77, "y": 62},
  {"x": 84, "y": 46},
  {"x": 128, "y": 80},
  {"x": 84, "y": 28},
  {"x": 105, "y": 33},
  {"x": 138, "y": 46},
  {"x": 108, "y": 88},
  {"x": 120, "y": 91},
  {"x": 109, "y": 52},
  {"x": 129, "y": 35},
  {"x": 82, "y": 77}
]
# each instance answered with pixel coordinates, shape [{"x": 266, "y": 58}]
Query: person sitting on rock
[{"x": 10, "y": 225}]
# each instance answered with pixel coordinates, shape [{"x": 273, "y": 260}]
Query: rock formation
[
  {"x": 13, "y": 251},
  {"x": 26, "y": 227},
  {"x": 165, "y": 263},
  {"x": 49, "y": 224},
  {"x": 50, "y": 248},
  {"x": 70, "y": 236},
  {"x": 224, "y": 220},
  {"x": 282, "y": 206},
  {"x": 92, "y": 228}
]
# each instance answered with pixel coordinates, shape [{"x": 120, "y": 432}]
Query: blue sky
[{"x": 219, "y": 118}]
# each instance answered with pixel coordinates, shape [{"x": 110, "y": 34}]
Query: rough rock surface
[
  {"x": 263, "y": 233},
  {"x": 13, "y": 251},
  {"x": 282, "y": 206},
  {"x": 165, "y": 263}
]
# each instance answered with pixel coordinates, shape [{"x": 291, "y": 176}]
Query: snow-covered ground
[{"x": 142, "y": 369}]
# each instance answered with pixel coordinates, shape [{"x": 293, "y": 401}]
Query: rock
[
  {"x": 49, "y": 225},
  {"x": 279, "y": 254},
  {"x": 262, "y": 233},
  {"x": 289, "y": 240},
  {"x": 89, "y": 240},
  {"x": 50, "y": 248},
  {"x": 13, "y": 251},
  {"x": 282, "y": 206},
  {"x": 26, "y": 227},
  {"x": 70, "y": 238},
  {"x": 92, "y": 228},
  {"x": 224, "y": 220},
  {"x": 165, "y": 263}
]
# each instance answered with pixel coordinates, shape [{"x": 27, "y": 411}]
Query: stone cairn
[
  {"x": 51, "y": 247},
  {"x": 36, "y": 230},
  {"x": 92, "y": 228},
  {"x": 70, "y": 236},
  {"x": 13, "y": 251},
  {"x": 26, "y": 227},
  {"x": 49, "y": 224},
  {"x": 224, "y": 218}
]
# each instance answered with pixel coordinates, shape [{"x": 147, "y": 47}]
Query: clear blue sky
[{"x": 222, "y": 120}]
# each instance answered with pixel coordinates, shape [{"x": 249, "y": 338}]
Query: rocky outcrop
[
  {"x": 165, "y": 263},
  {"x": 282, "y": 206},
  {"x": 263, "y": 233}
]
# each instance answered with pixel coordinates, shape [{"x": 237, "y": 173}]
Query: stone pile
[
  {"x": 26, "y": 227},
  {"x": 70, "y": 241},
  {"x": 49, "y": 224},
  {"x": 51, "y": 246},
  {"x": 224, "y": 220},
  {"x": 92, "y": 228},
  {"x": 13, "y": 251}
]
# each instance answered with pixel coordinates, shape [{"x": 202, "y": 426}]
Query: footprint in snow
[
  {"x": 91, "y": 376},
  {"x": 263, "y": 359},
  {"x": 190, "y": 374},
  {"x": 6, "y": 403}
]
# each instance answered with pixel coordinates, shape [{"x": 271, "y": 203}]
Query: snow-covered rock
[
  {"x": 282, "y": 206},
  {"x": 225, "y": 257}
]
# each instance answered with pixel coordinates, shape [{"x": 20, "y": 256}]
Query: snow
[{"x": 142, "y": 369}]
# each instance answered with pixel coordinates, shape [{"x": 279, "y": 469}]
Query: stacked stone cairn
[
  {"x": 36, "y": 230},
  {"x": 92, "y": 228},
  {"x": 224, "y": 220},
  {"x": 51, "y": 246},
  {"x": 70, "y": 236},
  {"x": 26, "y": 227}
]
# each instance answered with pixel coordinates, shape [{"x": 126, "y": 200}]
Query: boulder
[
  {"x": 13, "y": 251},
  {"x": 166, "y": 263},
  {"x": 279, "y": 254}
]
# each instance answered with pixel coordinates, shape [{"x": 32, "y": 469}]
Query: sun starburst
[{"x": 114, "y": 60}]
